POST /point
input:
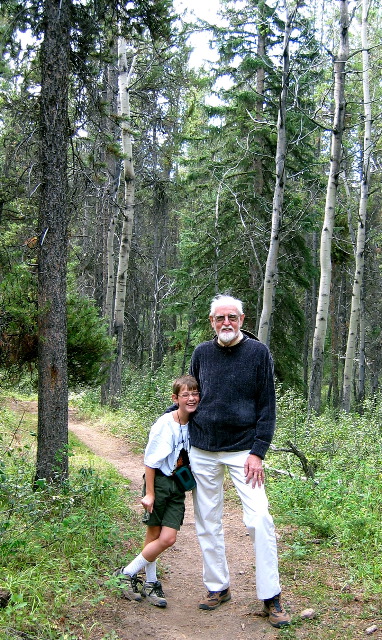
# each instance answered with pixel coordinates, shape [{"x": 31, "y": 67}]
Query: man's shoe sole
[{"x": 206, "y": 607}]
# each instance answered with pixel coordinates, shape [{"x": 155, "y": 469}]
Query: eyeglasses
[
  {"x": 231, "y": 317},
  {"x": 188, "y": 394}
]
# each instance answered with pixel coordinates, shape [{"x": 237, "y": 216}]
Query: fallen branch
[
  {"x": 310, "y": 469},
  {"x": 283, "y": 472}
]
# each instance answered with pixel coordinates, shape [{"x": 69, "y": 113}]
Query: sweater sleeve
[{"x": 266, "y": 408}]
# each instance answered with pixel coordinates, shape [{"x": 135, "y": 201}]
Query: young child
[{"x": 163, "y": 500}]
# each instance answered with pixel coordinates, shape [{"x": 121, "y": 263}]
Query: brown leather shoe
[
  {"x": 214, "y": 599},
  {"x": 278, "y": 617}
]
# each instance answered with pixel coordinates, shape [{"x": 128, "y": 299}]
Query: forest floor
[{"x": 342, "y": 612}]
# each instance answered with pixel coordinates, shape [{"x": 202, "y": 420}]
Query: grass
[{"x": 55, "y": 543}]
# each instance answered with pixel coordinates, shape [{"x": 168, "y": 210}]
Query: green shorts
[{"x": 169, "y": 504}]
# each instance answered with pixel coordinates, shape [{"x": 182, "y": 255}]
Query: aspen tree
[
  {"x": 126, "y": 70},
  {"x": 270, "y": 278},
  {"x": 355, "y": 312},
  {"x": 330, "y": 205}
]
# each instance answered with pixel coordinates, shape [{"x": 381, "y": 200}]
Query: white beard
[{"x": 227, "y": 336}]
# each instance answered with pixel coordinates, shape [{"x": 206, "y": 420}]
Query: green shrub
[
  {"x": 341, "y": 506},
  {"x": 90, "y": 349}
]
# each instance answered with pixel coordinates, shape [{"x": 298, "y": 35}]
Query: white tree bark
[
  {"x": 270, "y": 278},
  {"x": 125, "y": 74},
  {"x": 113, "y": 177},
  {"x": 361, "y": 349},
  {"x": 364, "y": 193},
  {"x": 330, "y": 204},
  {"x": 110, "y": 273}
]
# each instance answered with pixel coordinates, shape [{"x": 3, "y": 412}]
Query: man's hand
[{"x": 253, "y": 470}]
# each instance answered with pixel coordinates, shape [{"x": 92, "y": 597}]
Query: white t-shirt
[{"x": 167, "y": 438}]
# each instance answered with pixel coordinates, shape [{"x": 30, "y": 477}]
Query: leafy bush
[
  {"x": 341, "y": 506},
  {"x": 90, "y": 348}
]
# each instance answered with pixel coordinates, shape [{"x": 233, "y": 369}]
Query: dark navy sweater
[{"x": 237, "y": 409}]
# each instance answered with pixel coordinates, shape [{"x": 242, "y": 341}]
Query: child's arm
[{"x": 148, "y": 499}]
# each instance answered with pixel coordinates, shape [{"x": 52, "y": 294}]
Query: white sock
[
  {"x": 136, "y": 565},
  {"x": 151, "y": 571}
]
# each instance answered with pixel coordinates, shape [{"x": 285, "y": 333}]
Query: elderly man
[{"x": 233, "y": 428}]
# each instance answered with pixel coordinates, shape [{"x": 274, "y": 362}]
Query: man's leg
[
  {"x": 208, "y": 510},
  {"x": 260, "y": 527}
]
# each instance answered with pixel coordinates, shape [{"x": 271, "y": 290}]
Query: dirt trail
[{"x": 182, "y": 580}]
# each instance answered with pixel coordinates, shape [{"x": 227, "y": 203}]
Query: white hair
[{"x": 223, "y": 300}]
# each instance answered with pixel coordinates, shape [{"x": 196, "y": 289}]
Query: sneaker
[
  {"x": 277, "y": 615},
  {"x": 214, "y": 599},
  {"x": 129, "y": 585},
  {"x": 154, "y": 593}
]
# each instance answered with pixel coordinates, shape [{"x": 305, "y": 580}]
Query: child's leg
[
  {"x": 152, "y": 533},
  {"x": 152, "y": 588},
  {"x": 165, "y": 540},
  {"x": 140, "y": 562},
  {"x": 157, "y": 540}
]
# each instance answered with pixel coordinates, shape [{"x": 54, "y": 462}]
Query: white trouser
[{"x": 208, "y": 469}]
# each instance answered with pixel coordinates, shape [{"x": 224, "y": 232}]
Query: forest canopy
[{"x": 185, "y": 182}]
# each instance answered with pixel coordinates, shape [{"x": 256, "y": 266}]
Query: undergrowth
[{"x": 339, "y": 507}]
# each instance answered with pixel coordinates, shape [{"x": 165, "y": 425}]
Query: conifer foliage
[{"x": 203, "y": 146}]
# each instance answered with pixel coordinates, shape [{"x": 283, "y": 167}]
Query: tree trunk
[
  {"x": 330, "y": 204},
  {"x": 270, "y": 278},
  {"x": 108, "y": 189},
  {"x": 260, "y": 84},
  {"x": 125, "y": 74},
  {"x": 360, "y": 251},
  {"x": 310, "y": 305},
  {"x": 334, "y": 334},
  {"x": 362, "y": 357},
  {"x": 52, "y": 454},
  {"x": 160, "y": 281}
]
